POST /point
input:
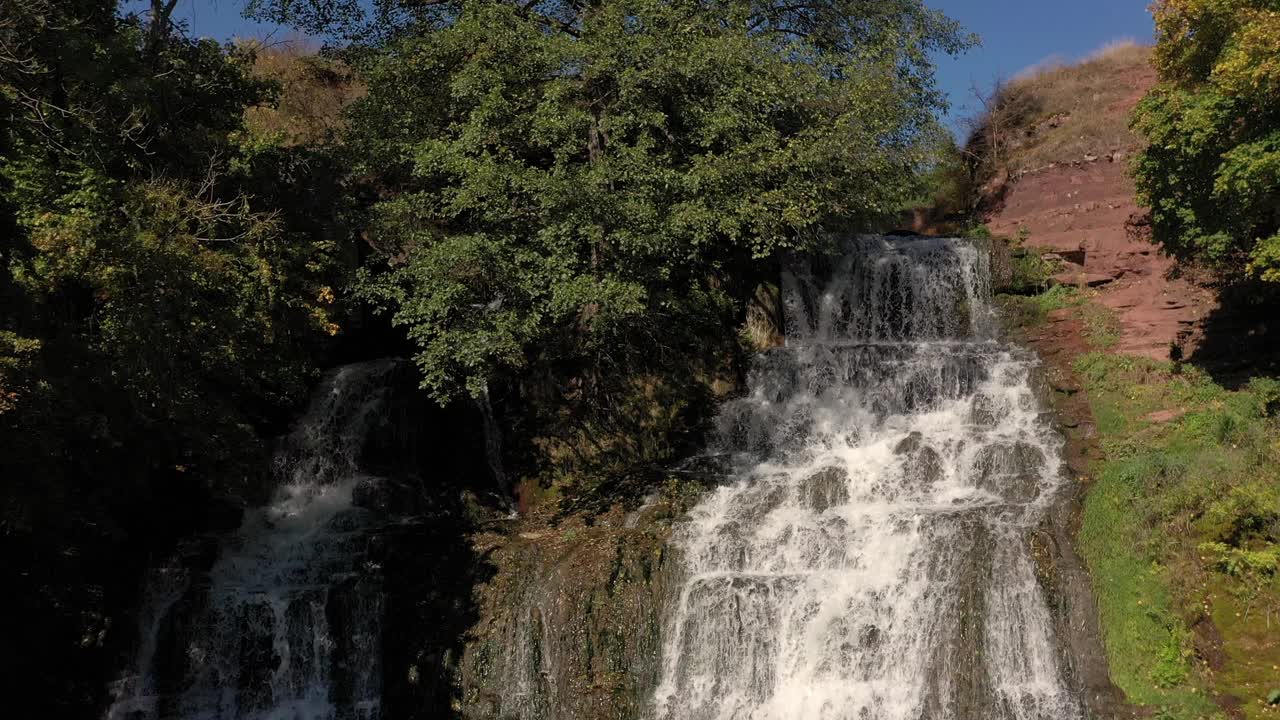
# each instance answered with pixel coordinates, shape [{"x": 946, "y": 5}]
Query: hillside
[
  {"x": 1066, "y": 153},
  {"x": 1174, "y": 451}
]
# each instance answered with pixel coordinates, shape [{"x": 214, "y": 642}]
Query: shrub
[{"x": 1210, "y": 174}]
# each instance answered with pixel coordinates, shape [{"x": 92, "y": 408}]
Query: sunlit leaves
[
  {"x": 158, "y": 252},
  {"x": 566, "y": 176},
  {"x": 1211, "y": 175}
]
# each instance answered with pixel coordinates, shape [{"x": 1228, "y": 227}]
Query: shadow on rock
[
  {"x": 1241, "y": 337},
  {"x": 432, "y": 467}
]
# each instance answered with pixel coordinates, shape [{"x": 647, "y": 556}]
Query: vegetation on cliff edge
[
  {"x": 1182, "y": 533},
  {"x": 168, "y": 284},
  {"x": 1211, "y": 171}
]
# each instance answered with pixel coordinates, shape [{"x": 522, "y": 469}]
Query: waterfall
[
  {"x": 284, "y": 624},
  {"x": 868, "y": 559},
  {"x": 493, "y": 448}
]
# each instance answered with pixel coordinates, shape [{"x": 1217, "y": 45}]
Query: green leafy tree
[
  {"x": 149, "y": 255},
  {"x": 1211, "y": 173},
  {"x": 592, "y": 179},
  {"x": 577, "y": 199}
]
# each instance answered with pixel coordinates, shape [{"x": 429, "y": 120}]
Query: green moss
[
  {"x": 1144, "y": 637},
  {"x": 1031, "y": 310},
  {"x": 1183, "y": 521},
  {"x": 977, "y": 232}
]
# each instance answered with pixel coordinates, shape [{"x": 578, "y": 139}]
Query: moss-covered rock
[{"x": 571, "y": 624}]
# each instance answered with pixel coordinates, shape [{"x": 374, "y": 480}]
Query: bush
[
  {"x": 577, "y": 200},
  {"x": 1210, "y": 174}
]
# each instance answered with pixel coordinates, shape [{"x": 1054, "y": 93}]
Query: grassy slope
[
  {"x": 1059, "y": 113},
  {"x": 1181, "y": 523},
  {"x": 1181, "y": 526}
]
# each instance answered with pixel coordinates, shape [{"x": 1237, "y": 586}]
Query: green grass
[
  {"x": 1101, "y": 326},
  {"x": 1146, "y": 640},
  {"x": 1181, "y": 522},
  {"x": 1183, "y": 519},
  {"x": 1030, "y": 271},
  {"x": 1031, "y": 310}
]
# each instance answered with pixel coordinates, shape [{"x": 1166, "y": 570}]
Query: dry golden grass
[
  {"x": 1060, "y": 113},
  {"x": 1091, "y": 100},
  {"x": 313, "y": 92}
]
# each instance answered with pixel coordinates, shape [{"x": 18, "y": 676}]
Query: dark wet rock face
[
  {"x": 826, "y": 488},
  {"x": 571, "y": 625},
  {"x": 983, "y": 412},
  {"x": 1010, "y": 470},
  {"x": 922, "y": 465},
  {"x": 387, "y": 496}
]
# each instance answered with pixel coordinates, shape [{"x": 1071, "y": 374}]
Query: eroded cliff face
[{"x": 570, "y": 625}]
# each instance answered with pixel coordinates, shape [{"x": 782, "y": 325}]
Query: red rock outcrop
[{"x": 1084, "y": 209}]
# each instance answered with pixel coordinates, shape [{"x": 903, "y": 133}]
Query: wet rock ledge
[
  {"x": 570, "y": 625},
  {"x": 1060, "y": 569}
]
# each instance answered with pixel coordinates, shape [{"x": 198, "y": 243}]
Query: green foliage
[
  {"x": 166, "y": 288},
  {"x": 1029, "y": 310},
  {"x": 584, "y": 197},
  {"x": 1238, "y": 563},
  {"x": 140, "y": 259},
  {"x": 595, "y": 186},
  {"x": 1211, "y": 172},
  {"x": 1031, "y": 295},
  {"x": 1031, "y": 273},
  {"x": 949, "y": 194},
  {"x": 980, "y": 231}
]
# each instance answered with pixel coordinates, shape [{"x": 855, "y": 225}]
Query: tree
[
  {"x": 589, "y": 178},
  {"x": 164, "y": 300},
  {"x": 1211, "y": 173},
  {"x": 144, "y": 258},
  {"x": 577, "y": 198}
]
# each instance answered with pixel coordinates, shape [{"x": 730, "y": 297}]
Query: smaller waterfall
[
  {"x": 493, "y": 449},
  {"x": 285, "y": 624}
]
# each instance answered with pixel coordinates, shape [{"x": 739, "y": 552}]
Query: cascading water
[
  {"x": 285, "y": 624},
  {"x": 869, "y": 559}
]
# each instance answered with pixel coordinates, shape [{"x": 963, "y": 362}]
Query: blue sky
[{"x": 1016, "y": 34}]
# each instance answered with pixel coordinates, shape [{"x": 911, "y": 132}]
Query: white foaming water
[
  {"x": 282, "y": 627},
  {"x": 868, "y": 559}
]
